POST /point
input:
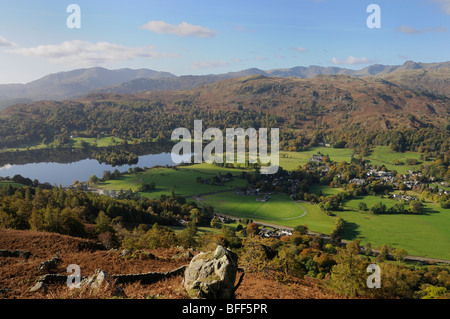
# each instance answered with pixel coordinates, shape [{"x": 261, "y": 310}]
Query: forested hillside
[{"x": 341, "y": 110}]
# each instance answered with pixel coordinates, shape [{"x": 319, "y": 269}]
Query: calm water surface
[{"x": 66, "y": 173}]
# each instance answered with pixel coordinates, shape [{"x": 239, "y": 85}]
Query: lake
[{"x": 66, "y": 172}]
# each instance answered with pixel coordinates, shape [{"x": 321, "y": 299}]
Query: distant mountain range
[
  {"x": 64, "y": 85},
  {"x": 77, "y": 83}
]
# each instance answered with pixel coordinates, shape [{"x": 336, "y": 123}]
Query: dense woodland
[
  {"x": 340, "y": 110},
  {"x": 67, "y": 211}
]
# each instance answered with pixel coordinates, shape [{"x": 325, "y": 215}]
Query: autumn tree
[
  {"x": 349, "y": 275},
  {"x": 255, "y": 254},
  {"x": 397, "y": 281},
  {"x": 399, "y": 254},
  {"x": 384, "y": 254},
  {"x": 416, "y": 207},
  {"x": 103, "y": 223},
  {"x": 187, "y": 237},
  {"x": 252, "y": 229}
]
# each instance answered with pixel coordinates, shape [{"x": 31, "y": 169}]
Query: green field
[
  {"x": 325, "y": 189},
  {"x": 7, "y": 183},
  {"x": 180, "y": 180},
  {"x": 383, "y": 155},
  {"x": 102, "y": 142},
  {"x": 380, "y": 155},
  {"x": 291, "y": 160},
  {"x": 447, "y": 188},
  {"x": 425, "y": 235},
  {"x": 75, "y": 142},
  {"x": 279, "y": 210}
]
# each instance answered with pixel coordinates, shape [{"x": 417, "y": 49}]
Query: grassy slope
[
  {"x": 182, "y": 181},
  {"x": 291, "y": 160},
  {"x": 380, "y": 155},
  {"x": 278, "y": 210},
  {"x": 75, "y": 142},
  {"x": 7, "y": 183},
  {"x": 383, "y": 155},
  {"x": 424, "y": 235},
  {"x": 325, "y": 189},
  {"x": 102, "y": 142}
]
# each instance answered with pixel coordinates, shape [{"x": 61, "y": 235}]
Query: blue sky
[{"x": 203, "y": 37}]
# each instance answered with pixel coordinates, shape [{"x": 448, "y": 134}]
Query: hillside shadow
[
  {"x": 429, "y": 211},
  {"x": 351, "y": 231}
]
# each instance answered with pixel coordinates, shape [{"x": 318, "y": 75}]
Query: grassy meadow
[
  {"x": 424, "y": 235},
  {"x": 291, "y": 160},
  {"x": 4, "y": 184},
  {"x": 383, "y": 155},
  {"x": 75, "y": 142},
  {"x": 278, "y": 210},
  {"x": 180, "y": 180}
]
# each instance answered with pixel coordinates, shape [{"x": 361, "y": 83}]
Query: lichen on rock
[{"x": 211, "y": 275}]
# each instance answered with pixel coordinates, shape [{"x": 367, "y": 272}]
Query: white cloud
[
  {"x": 408, "y": 30},
  {"x": 84, "y": 53},
  {"x": 209, "y": 64},
  {"x": 444, "y": 5},
  {"x": 299, "y": 49},
  {"x": 184, "y": 29},
  {"x": 352, "y": 60},
  {"x": 6, "y": 43}
]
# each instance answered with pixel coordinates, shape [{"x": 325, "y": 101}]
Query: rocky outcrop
[
  {"x": 212, "y": 275},
  {"x": 187, "y": 254},
  {"x": 96, "y": 280},
  {"x": 15, "y": 253},
  {"x": 39, "y": 287},
  {"x": 100, "y": 281},
  {"x": 51, "y": 264}
]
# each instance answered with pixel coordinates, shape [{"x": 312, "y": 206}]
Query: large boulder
[{"x": 212, "y": 275}]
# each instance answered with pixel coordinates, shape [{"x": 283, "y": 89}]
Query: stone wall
[{"x": 145, "y": 278}]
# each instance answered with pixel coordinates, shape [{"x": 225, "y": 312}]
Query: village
[
  {"x": 290, "y": 184},
  {"x": 267, "y": 231},
  {"x": 400, "y": 181}
]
